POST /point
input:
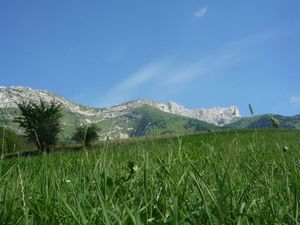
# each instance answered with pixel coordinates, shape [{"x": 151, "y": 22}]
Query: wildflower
[
  {"x": 150, "y": 219},
  {"x": 68, "y": 181},
  {"x": 132, "y": 167},
  {"x": 135, "y": 168}
]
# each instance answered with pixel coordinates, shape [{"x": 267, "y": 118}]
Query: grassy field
[{"x": 236, "y": 177}]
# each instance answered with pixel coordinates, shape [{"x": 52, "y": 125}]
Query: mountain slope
[
  {"x": 135, "y": 118},
  {"x": 218, "y": 116},
  {"x": 264, "y": 121},
  {"x": 149, "y": 120},
  {"x": 123, "y": 120}
]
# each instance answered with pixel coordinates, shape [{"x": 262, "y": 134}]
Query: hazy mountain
[
  {"x": 264, "y": 121},
  {"x": 218, "y": 116},
  {"x": 135, "y": 118},
  {"x": 123, "y": 120}
]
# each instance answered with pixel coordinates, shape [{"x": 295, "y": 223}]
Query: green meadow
[{"x": 228, "y": 177}]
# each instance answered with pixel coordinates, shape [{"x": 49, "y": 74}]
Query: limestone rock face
[
  {"x": 9, "y": 96},
  {"x": 217, "y": 115}
]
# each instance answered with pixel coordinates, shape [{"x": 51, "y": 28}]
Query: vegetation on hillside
[
  {"x": 265, "y": 121},
  {"x": 151, "y": 121},
  {"x": 147, "y": 120},
  {"x": 86, "y": 135},
  {"x": 10, "y": 142}
]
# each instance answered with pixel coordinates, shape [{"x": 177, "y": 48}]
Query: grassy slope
[
  {"x": 263, "y": 121},
  {"x": 148, "y": 120},
  {"x": 237, "y": 177},
  {"x": 133, "y": 124}
]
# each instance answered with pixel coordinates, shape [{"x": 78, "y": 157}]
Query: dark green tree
[
  {"x": 86, "y": 135},
  {"x": 41, "y": 123}
]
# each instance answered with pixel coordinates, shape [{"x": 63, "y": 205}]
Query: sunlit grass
[{"x": 243, "y": 177}]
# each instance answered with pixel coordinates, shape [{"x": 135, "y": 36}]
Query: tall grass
[
  {"x": 219, "y": 178},
  {"x": 3, "y": 141}
]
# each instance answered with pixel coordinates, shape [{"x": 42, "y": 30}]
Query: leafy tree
[
  {"x": 41, "y": 123},
  {"x": 86, "y": 134}
]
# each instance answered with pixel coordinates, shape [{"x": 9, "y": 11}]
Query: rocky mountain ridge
[{"x": 9, "y": 96}]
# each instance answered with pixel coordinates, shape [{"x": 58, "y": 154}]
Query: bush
[
  {"x": 11, "y": 142},
  {"x": 41, "y": 123},
  {"x": 86, "y": 134}
]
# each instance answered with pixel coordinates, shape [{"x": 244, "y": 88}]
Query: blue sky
[{"x": 197, "y": 53}]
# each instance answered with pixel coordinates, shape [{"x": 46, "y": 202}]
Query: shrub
[
  {"x": 41, "y": 123},
  {"x": 86, "y": 134}
]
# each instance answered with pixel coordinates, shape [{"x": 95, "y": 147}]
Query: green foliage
[
  {"x": 41, "y": 123},
  {"x": 238, "y": 177},
  {"x": 86, "y": 134},
  {"x": 11, "y": 142}
]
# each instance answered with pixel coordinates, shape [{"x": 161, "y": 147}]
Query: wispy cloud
[
  {"x": 295, "y": 100},
  {"x": 128, "y": 88},
  {"x": 164, "y": 78},
  {"x": 201, "y": 12}
]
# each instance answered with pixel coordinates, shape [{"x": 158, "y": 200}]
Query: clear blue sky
[{"x": 197, "y": 53}]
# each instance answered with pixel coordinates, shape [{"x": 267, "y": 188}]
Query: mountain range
[{"x": 134, "y": 118}]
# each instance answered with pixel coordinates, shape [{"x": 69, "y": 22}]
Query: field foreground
[{"x": 237, "y": 177}]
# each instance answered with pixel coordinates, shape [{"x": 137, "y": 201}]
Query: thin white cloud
[
  {"x": 162, "y": 79},
  {"x": 165, "y": 78},
  {"x": 128, "y": 88},
  {"x": 295, "y": 100},
  {"x": 185, "y": 73},
  {"x": 201, "y": 12}
]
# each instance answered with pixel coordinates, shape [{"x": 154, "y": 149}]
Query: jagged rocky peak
[
  {"x": 9, "y": 96},
  {"x": 216, "y": 115}
]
